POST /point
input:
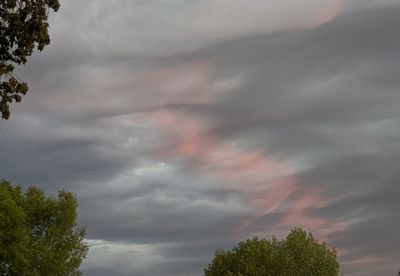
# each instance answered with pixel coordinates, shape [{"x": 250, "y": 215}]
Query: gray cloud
[{"x": 323, "y": 102}]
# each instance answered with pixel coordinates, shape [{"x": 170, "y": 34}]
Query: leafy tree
[
  {"x": 23, "y": 28},
  {"x": 38, "y": 234},
  {"x": 299, "y": 255}
]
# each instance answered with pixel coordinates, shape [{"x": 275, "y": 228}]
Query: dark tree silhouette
[{"x": 23, "y": 28}]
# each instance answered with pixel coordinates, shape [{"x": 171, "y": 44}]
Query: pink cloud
[
  {"x": 329, "y": 12},
  {"x": 188, "y": 82},
  {"x": 265, "y": 184}
]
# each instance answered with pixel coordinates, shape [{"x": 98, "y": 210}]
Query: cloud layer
[{"x": 186, "y": 126}]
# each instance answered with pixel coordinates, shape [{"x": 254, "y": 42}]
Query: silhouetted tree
[{"x": 23, "y": 28}]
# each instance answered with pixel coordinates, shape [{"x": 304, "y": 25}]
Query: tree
[
  {"x": 299, "y": 255},
  {"x": 23, "y": 28},
  {"x": 38, "y": 234}
]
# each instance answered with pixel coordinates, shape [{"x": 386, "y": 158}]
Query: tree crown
[
  {"x": 38, "y": 234},
  {"x": 297, "y": 255}
]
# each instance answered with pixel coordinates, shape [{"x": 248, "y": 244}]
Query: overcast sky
[{"x": 184, "y": 126}]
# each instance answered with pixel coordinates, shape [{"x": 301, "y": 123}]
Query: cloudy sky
[{"x": 184, "y": 126}]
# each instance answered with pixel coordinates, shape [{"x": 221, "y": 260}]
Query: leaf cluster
[
  {"x": 23, "y": 28},
  {"x": 38, "y": 234},
  {"x": 297, "y": 255}
]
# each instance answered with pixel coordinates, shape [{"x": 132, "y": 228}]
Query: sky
[{"x": 184, "y": 126}]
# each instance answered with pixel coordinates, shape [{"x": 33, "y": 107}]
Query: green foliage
[
  {"x": 38, "y": 234},
  {"x": 299, "y": 255},
  {"x": 23, "y": 28}
]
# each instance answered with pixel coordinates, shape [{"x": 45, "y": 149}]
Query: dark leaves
[{"x": 23, "y": 28}]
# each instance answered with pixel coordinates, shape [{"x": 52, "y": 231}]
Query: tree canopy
[
  {"x": 38, "y": 234},
  {"x": 297, "y": 255},
  {"x": 23, "y": 28}
]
